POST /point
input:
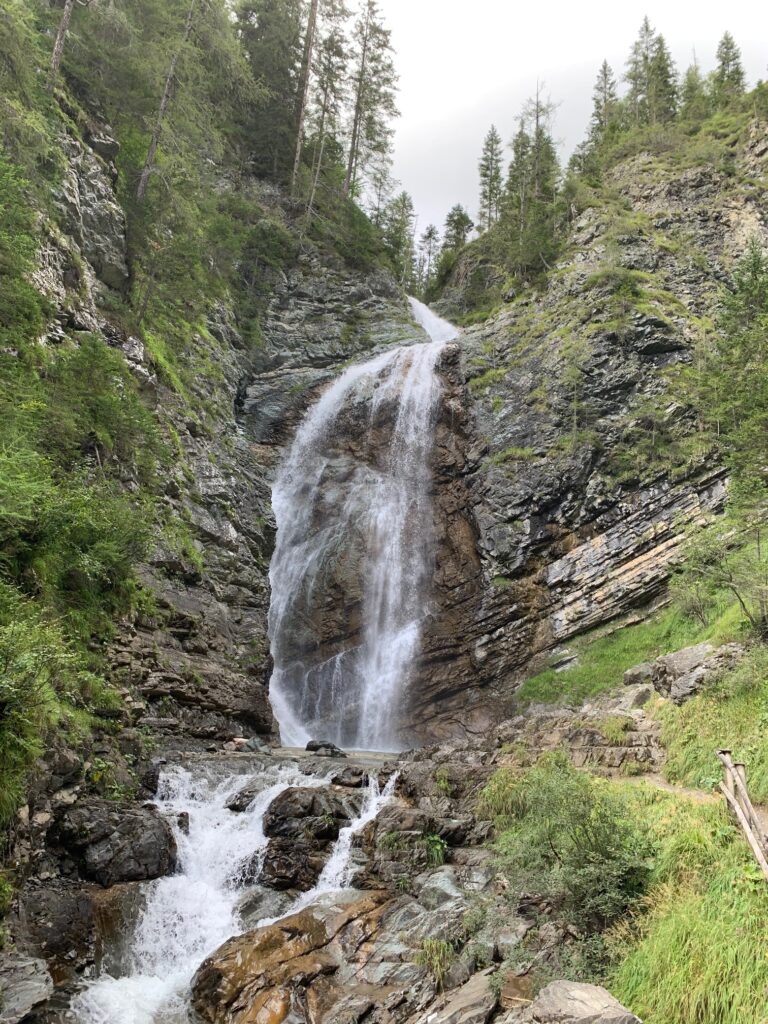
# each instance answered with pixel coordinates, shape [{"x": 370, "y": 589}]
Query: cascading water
[
  {"x": 189, "y": 915},
  {"x": 355, "y": 539},
  {"x": 336, "y": 874}
]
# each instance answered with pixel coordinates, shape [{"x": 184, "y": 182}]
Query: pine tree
[
  {"x": 529, "y": 221},
  {"x": 662, "y": 98},
  {"x": 605, "y": 104},
  {"x": 381, "y": 186},
  {"x": 429, "y": 247},
  {"x": 303, "y": 88},
  {"x": 695, "y": 101},
  {"x": 330, "y": 69},
  {"x": 652, "y": 96},
  {"x": 728, "y": 80},
  {"x": 374, "y": 84},
  {"x": 399, "y": 226},
  {"x": 270, "y": 33},
  {"x": 491, "y": 186},
  {"x": 458, "y": 225},
  {"x": 162, "y": 112}
]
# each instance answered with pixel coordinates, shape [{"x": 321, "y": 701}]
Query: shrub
[{"x": 565, "y": 836}]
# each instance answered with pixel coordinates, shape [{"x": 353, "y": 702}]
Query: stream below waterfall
[{"x": 186, "y": 916}]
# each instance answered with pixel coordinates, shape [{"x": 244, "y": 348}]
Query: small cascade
[
  {"x": 336, "y": 875},
  {"x": 353, "y": 565},
  {"x": 188, "y": 915}
]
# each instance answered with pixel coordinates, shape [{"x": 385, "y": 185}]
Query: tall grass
[{"x": 732, "y": 714}]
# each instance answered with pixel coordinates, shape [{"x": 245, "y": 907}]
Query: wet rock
[
  {"x": 352, "y": 777},
  {"x": 302, "y": 824},
  {"x": 255, "y": 976},
  {"x": 566, "y": 1002},
  {"x": 24, "y": 984},
  {"x": 113, "y": 844},
  {"x": 324, "y": 748}
]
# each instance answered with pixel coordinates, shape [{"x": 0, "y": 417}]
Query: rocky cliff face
[
  {"x": 579, "y": 480},
  {"x": 547, "y": 524}
]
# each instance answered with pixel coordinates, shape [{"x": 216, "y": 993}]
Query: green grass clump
[
  {"x": 733, "y": 714},
  {"x": 512, "y": 454},
  {"x": 614, "y": 729},
  {"x": 566, "y": 836},
  {"x": 695, "y": 954},
  {"x": 437, "y": 956},
  {"x": 602, "y": 660}
]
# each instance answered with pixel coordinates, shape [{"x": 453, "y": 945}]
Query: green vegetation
[
  {"x": 438, "y": 957},
  {"x": 694, "y": 951},
  {"x": 731, "y": 713},
  {"x": 436, "y": 848},
  {"x": 567, "y": 838},
  {"x": 603, "y": 659},
  {"x": 202, "y": 102},
  {"x": 668, "y": 904}
]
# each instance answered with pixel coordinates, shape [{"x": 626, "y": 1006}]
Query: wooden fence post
[{"x": 734, "y": 789}]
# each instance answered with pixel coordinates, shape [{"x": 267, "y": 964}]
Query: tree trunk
[
  {"x": 306, "y": 74},
  {"x": 355, "y": 138},
  {"x": 149, "y": 163},
  {"x": 58, "y": 46},
  {"x": 316, "y": 170}
]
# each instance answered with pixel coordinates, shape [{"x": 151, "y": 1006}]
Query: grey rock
[
  {"x": 473, "y": 1003},
  {"x": 642, "y": 673},
  {"x": 114, "y": 844},
  {"x": 24, "y": 984},
  {"x": 683, "y": 673},
  {"x": 567, "y": 1002}
]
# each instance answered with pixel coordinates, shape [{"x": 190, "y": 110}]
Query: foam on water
[{"x": 188, "y": 915}]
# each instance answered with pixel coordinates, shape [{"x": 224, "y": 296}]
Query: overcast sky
[{"x": 464, "y": 65}]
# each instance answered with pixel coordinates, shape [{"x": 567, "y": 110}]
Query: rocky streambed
[{"x": 286, "y": 887}]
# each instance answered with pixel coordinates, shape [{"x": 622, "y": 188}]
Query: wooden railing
[{"x": 734, "y": 789}]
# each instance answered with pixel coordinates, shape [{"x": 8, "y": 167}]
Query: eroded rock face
[
  {"x": 302, "y": 824},
  {"x": 113, "y": 844},
  {"x": 24, "y": 984}
]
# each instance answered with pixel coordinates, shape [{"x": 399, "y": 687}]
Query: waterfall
[
  {"x": 354, "y": 560},
  {"x": 188, "y": 915}
]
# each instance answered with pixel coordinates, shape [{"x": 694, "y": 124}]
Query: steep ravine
[{"x": 538, "y": 538}]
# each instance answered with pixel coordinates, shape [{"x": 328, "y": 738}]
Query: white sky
[{"x": 464, "y": 64}]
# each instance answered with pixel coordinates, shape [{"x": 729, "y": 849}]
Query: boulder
[
  {"x": 568, "y": 1002},
  {"x": 324, "y": 748},
  {"x": 112, "y": 843},
  {"x": 474, "y": 1003},
  {"x": 255, "y": 976},
  {"x": 24, "y": 984},
  {"x": 683, "y": 673},
  {"x": 301, "y": 824}
]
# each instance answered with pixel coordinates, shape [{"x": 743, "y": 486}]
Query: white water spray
[
  {"x": 337, "y": 873},
  {"x": 355, "y": 535},
  {"x": 188, "y": 915}
]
